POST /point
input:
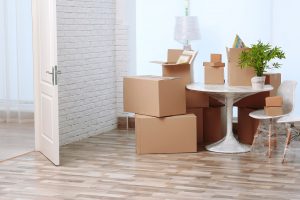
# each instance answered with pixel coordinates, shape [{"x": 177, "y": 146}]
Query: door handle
[{"x": 53, "y": 74}]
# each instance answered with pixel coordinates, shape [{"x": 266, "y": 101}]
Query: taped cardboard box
[
  {"x": 199, "y": 114},
  {"x": 247, "y": 125},
  {"x": 236, "y": 75},
  {"x": 195, "y": 99},
  {"x": 176, "y": 134},
  {"x": 154, "y": 95},
  {"x": 258, "y": 100},
  {"x": 212, "y": 125}
]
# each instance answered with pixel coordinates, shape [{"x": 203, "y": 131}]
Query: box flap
[{"x": 213, "y": 64}]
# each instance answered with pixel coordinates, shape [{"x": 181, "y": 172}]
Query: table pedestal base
[{"x": 228, "y": 145}]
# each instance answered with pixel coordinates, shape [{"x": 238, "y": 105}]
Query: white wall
[
  {"x": 86, "y": 57},
  {"x": 219, "y": 21},
  {"x": 125, "y": 41},
  {"x": 286, "y": 33}
]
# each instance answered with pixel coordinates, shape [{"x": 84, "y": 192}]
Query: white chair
[
  {"x": 287, "y": 91},
  {"x": 292, "y": 131}
]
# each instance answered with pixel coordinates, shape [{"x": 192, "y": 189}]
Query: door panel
[{"x": 44, "y": 36}]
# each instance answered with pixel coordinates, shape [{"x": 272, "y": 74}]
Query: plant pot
[{"x": 258, "y": 82}]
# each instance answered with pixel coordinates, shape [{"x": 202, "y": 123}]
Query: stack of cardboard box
[
  {"x": 274, "y": 106},
  {"x": 161, "y": 122},
  {"x": 207, "y": 110},
  {"x": 214, "y": 70}
]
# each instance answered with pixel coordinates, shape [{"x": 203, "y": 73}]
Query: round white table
[{"x": 227, "y": 95}]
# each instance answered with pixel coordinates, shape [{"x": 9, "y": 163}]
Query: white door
[{"x": 45, "y": 61}]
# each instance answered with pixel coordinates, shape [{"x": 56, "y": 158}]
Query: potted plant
[{"x": 258, "y": 57}]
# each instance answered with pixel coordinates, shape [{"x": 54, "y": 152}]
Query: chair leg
[
  {"x": 275, "y": 135},
  {"x": 287, "y": 142},
  {"x": 270, "y": 134},
  {"x": 255, "y": 135}
]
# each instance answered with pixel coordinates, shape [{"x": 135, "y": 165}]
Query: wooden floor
[
  {"x": 106, "y": 167},
  {"x": 16, "y": 139}
]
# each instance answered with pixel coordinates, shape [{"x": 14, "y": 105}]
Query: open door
[{"x": 45, "y": 67}]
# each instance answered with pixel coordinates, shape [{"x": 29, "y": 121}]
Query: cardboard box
[
  {"x": 215, "y": 103},
  {"x": 214, "y": 70},
  {"x": 214, "y": 75},
  {"x": 170, "y": 68},
  {"x": 176, "y": 134},
  {"x": 273, "y": 111},
  {"x": 258, "y": 100},
  {"x": 247, "y": 125},
  {"x": 276, "y": 101},
  {"x": 178, "y": 70},
  {"x": 212, "y": 125},
  {"x": 215, "y": 57},
  {"x": 273, "y": 79},
  {"x": 199, "y": 114},
  {"x": 236, "y": 75},
  {"x": 154, "y": 96},
  {"x": 195, "y": 99},
  {"x": 254, "y": 101}
]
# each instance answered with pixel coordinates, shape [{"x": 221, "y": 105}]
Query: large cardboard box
[
  {"x": 176, "y": 134},
  {"x": 215, "y": 103},
  {"x": 195, "y": 99},
  {"x": 199, "y": 114},
  {"x": 154, "y": 96},
  {"x": 236, "y": 75},
  {"x": 258, "y": 100},
  {"x": 247, "y": 126},
  {"x": 212, "y": 125}
]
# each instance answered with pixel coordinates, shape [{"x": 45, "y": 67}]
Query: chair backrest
[{"x": 287, "y": 90}]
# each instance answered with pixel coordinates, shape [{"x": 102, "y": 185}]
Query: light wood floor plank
[{"x": 106, "y": 167}]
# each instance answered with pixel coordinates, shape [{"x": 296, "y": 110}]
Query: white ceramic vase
[{"x": 258, "y": 82}]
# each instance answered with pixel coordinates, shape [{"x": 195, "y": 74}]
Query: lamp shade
[{"x": 186, "y": 29}]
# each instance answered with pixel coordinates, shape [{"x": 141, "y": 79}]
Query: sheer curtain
[{"x": 16, "y": 61}]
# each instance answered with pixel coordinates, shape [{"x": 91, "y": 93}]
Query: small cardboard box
[
  {"x": 247, "y": 126},
  {"x": 176, "y": 134},
  {"x": 258, "y": 100},
  {"x": 171, "y": 69},
  {"x": 214, "y": 70},
  {"x": 154, "y": 95},
  {"x": 236, "y": 75},
  {"x": 212, "y": 125},
  {"x": 273, "y": 111},
  {"x": 273, "y": 79},
  {"x": 199, "y": 114},
  {"x": 214, "y": 75},
  {"x": 276, "y": 101},
  {"x": 195, "y": 99}
]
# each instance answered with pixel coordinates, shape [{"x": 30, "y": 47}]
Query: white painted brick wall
[
  {"x": 122, "y": 48},
  {"x": 87, "y": 57}
]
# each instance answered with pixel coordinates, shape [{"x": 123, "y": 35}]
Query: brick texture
[{"x": 88, "y": 56}]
